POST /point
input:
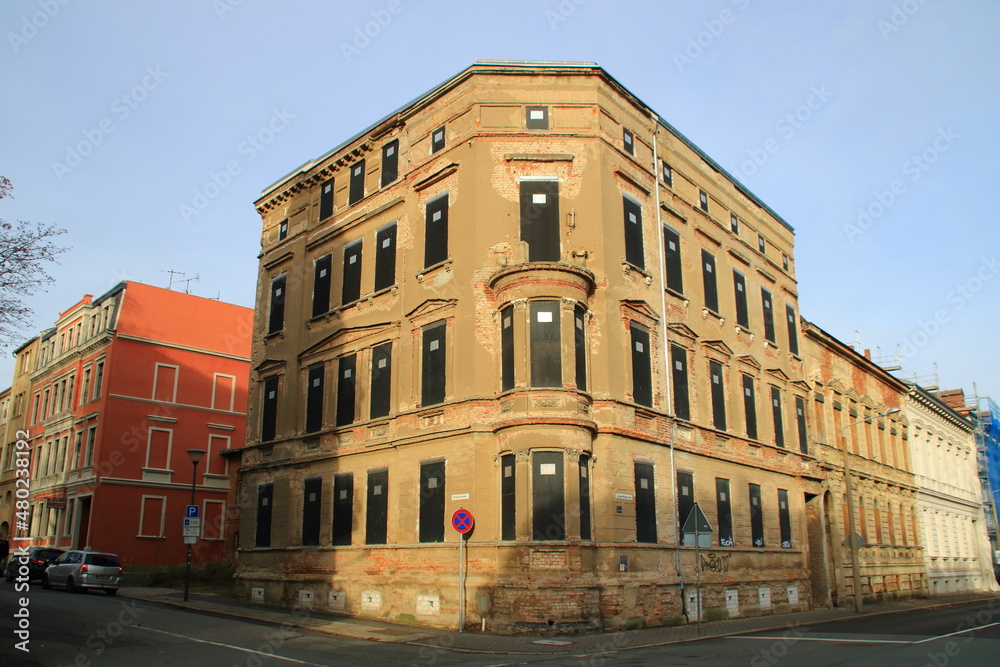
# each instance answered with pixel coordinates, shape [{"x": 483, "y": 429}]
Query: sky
[{"x": 148, "y": 130}]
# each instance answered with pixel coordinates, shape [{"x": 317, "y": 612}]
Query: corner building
[{"x": 525, "y": 295}]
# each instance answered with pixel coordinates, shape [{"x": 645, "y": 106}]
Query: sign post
[
  {"x": 462, "y": 521},
  {"x": 697, "y": 523}
]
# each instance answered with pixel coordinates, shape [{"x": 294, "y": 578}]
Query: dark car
[{"x": 37, "y": 560}]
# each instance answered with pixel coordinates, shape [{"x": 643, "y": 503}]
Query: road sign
[
  {"x": 191, "y": 511},
  {"x": 190, "y": 539},
  {"x": 696, "y": 522},
  {"x": 192, "y": 522},
  {"x": 861, "y": 541},
  {"x": 462, "y": 520},
  {"x": 192, "y": 531}
]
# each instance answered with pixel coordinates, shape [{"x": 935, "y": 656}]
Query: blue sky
[{"x": 149, "y": 129}]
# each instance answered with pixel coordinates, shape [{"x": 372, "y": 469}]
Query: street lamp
[
  {"x": 853, "y": 537},
  {"x": 195, "y": 456}
]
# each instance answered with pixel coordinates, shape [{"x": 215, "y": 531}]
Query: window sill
[
  {"x": 444, "y": 265},
  {"x": 628, "y": 267},
  {"x": 740, "y": 329},
  {"x": 706, "y": 312},
  {"x": 679, "y": 295}
]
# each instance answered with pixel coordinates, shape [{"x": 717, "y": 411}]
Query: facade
[
  {"x": 852, "y": 439},
  {"x": 13, "y": 419},
  {"x": 120, "y": 388},
  {"x": 525, "y": 295}
]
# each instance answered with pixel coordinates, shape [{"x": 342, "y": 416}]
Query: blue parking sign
[{"x": 191, "y": 512}]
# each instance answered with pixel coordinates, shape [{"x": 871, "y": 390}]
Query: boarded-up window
[
  {"x": 734, "y": 223},
  {"x": 634, "y": 252},
  {"x": 628, "y": 143},
  {"x": 645, "y": 503},
  {"x": 800, "y": 422},
  {"x": 679, "y": 375},
  {"x": 703, "y": 200},
  {"x": 580, "y": 346},
  {"x": 165, "y": 383},
  {"x": 540, "y": 220},
  {"x": 672, "y": 251},
  {"x": 709, "y": 281},
  {"x": 314, "y": 398},
  {"x": 283, "y": 229},
  {"x": 546, "y": 351},
  {"x": 265, "y": 497},
  {"x": 151, "y": 520},
  {"x": 343, "y": 508},
  {"x": 536, "y": 118},
  {"x": 433, "y": 367},
  {"x": 718, "y": 395},
  {"x": 668, "y": 174},
  {"x": 742, "y": 310},
  {"x": 750, "y": 406},
  {"x": 784, "y": 519},
  {"x": 642, "y": 379},
  {"x": 778, "y": 417},
  {"x": 312, "y": 503},
  {"x": 352, "y": 273},
  {"x": 326, "y": 199},
  {"x": 585, "y": 497},
  {"x": 390, "y": 162},
  {"x": 437, "y": 140},
  {"x": 508, "y": 498},
  {"x": 321, "y": 285},
  {"x": 768, "y": 307},
  {"x": 357, "y": 188},
  {"x": 223, "y": 392},
  {"x": 214, "y": 519},
  {"x": 756, "y": 516},
  {"x": 507, "y": 348},
  {"x": 793, "y": 329},
  {"x": 685, "y": 498},
  {"x": 378, "y": 506},
  {"x": 548, "y": 496},
  {"x": 436, "y": 231},
  {"x": 158, "y": 448},
  {"x": 432, "y": 497},
  {"x": 385, "y": 257},
  {"x": 276, "y": 318},
  {"x": 381, "y": 387},
  {"x": 346, "y": 382},
  {"x": 724, "y": 504},
  {"x": 269, "y": 410}
]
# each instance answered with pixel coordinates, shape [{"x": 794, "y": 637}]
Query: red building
[{"x": 122, "y": 387}]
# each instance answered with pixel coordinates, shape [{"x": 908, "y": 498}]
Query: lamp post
[
  {"x": 195, "y": 456},
  {"x": 853, "y": 537}
]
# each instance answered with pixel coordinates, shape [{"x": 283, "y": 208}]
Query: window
[
  {"x": 634, "y": 253},
  {"x": 436, "y": 231},
  {"x": 645, "y": 503},
  {"x": 642, "y": 380},
  {"x": 793, "y": 336},
  {"x": 540, "y": 220},
  {"x": 321, "y": 285},
  {"x": 536, "y": 118},
  {"x": 378, "y": 506},
  {"x": 283, "y": 229},
  {"x": 584, "y": 497},
  {"x": 265, "y": 496},
  {"x": 276, "y": 319},
  {"x": 312, "y": 503},
  {"x": 152, "y": 515},
  {"x": 685, "y": 500},
  {"x": 432, "y": 502},
  {"x": 703, "y": 200},
  {"x": 158, "y": 442},
  {"x": 765, "y": 298},
  {"x": 326, "y": 199},
  {"x": 627, "y": 142},
  {"x": 84, "y": 388},
  {"x": 357, "y": 189},
  {"x": 381, "y": 387},
  {"x": 437, "y": 140},
  {"x": 215, "y": 462},
  {"x": 385, "y": 257},
  {"x": 546, "y": 351},
  {"x": 507, "y": 348},
  {"x": 223, "y": 392},
  {"x": 679, "y": 375},
  {"x": 548, "y": 499},
  {"x": 734, "y": 223},
  {"x": 314, "y": 398},
  {"x": 750, "y": 407},
  {"x": 98, "y": 379},
  {"x": 165, "y": 383},
  {"x": 668, "y": 175},
  {"x": 708, "y": 279},
  {"x": 725, "y": 512},
  {"x": 784, "y": 261},
  {"x": 432, "y": 390},
  {"x": 800, "y": 421},
  {"x": 672, "y": 250},
  {"x": 269, "y": 411},
  {"x": 508, "y": 498},
  {"x": 742, "y": 311},
  {"x": 718, "y": 395},
  {"x": 352, "y": 272},
  {"x": 779, "y": 427},
  {"x": 761, "y": 244},
  {"x": 756, "y": 517},
  {"x": 346, "y": 367},
  {"x": 343, "y": 508},
  {"x": 91, "y": 443},
  {"x": 390, "y": 163},
  {"x": 580, "y": 346},
  {"x": 784, "y": 519}
]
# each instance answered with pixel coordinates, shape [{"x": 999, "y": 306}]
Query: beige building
[
  {"x": 14, "y": 418},
  {"x": 525, "y": 295}
]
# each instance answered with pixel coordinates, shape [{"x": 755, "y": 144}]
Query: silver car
[{"x": 80, "y": 570}]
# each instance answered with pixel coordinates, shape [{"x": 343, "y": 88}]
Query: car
[
  {"x": 79, "y": 571},
  {"x": 37, "y": 560}
]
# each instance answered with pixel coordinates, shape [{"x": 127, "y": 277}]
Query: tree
[{"x": 25, "y": 248}]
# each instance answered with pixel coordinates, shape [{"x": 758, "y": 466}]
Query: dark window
[
  {"x": 283, "y": 229},
  {"x": 725, "y": 506},
  {"x": 390, "y": 163},
  {"x": 703, "y": 200},
  {"x": 645, "y": 503},
  {"x": 742, "y": 311},
  {"x": 436, "y": 231},
  {"x": 508, "y": 497},
  {"x": 642, "y": 380},
  {"x": 276, "y": 319},
  {"x": 437, "y": 140},
  {"x": 507, "y": 348},
  {"x": 378, "y": 506},
  {"x": 580, "y": 345},
  {"x": 761, "y": 244},
  {"x": 672, "y": 250},
  {"x": 800, "y": 420},
  {"x": 540, "y": 220},
  {"x": 343, "y": 508},
  {"x": 585, "y": 497},
  {"x": 708, "y": 278},
  {"x": 548, "y": 496},
  {"x": 381, "y": 387},
  {"x": 784, "y": 261},
  {"x": 765, "y": 299},
  {"x": 750, "y": 406},
  {"x": 314, "y": 399},
  {"x": 779, "y": 427},
  {"x": 718, "y": 395},
  {"x": 685, "y": 500},
  {"x": 357, "y": 191},
  {"x": 269, "y": 411},
  {"x": 265, "y": 496},
  {"x": 536, "y": 118},
  {"x": 352, "y": 273},
  {"x": 793, "y": 326},
  {"x": 546, "y": 352},
  {"x": 385, "y": 257},
  {"x": 432, "y": 502},
  {"x": 433, "y": 380},
  {"x": 756, "y": 516},
  {"x": 668, "y": 175},
  {"x": 734, "y": 223},
  {"x": 346, "y": 368},
  {"x": 634, "y": 253},
  {"x": 326, "y": 199},
  {"x": 312, "y": 496},
  {"x": 321, "y": 285},
  {"x": 627, "y": 142},
  {"x": 784, "y": 519},
  {"x": 679, "y": 375}
]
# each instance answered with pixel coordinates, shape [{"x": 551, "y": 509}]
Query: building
[
  {"x": 13, "y": 419},
  {"x": 526, "y": 295},
  {"x": 861, "y": 432},
  {"x": 120, "y": 388}
]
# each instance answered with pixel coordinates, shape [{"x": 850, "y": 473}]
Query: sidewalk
[{"x": 478, "y": 642}]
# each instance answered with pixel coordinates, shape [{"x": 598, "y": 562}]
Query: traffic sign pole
[{"x": 462, "y": 521}]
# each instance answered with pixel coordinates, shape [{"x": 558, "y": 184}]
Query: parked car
[
  {"x": 38, "y": 559},
  {"x": 80, "y": 570}
]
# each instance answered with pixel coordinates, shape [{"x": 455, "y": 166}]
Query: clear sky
[{"x": 871, "y": 126}]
